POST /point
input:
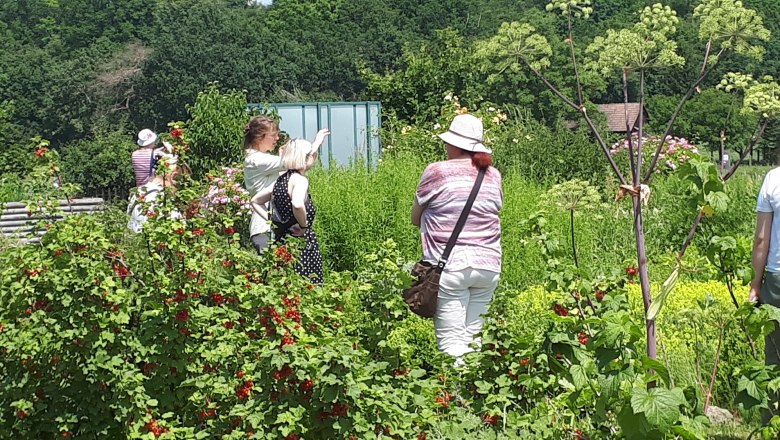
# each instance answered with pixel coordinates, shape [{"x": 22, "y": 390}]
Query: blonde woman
[
  {"x": 290, "y": 197},
  {"x": 261, "y": 168}
]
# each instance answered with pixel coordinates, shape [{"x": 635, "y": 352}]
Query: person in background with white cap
[
  {"x": 145, "y": 157},
  {"x": 144, "y": 200},
  {"x": 471, "y": 274}
]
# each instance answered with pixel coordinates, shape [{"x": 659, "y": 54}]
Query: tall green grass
[{"x": 358, "y": 209}]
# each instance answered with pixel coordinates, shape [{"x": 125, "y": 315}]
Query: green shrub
[
  {"x": 358, "y": 210},
  {"x": 688, "y": 332},
  {"x": 101, "y": 163},
  {"x": 179, "y": 333},
  {"x": 549, "y": 155},
  {"x": 216, "y": 128}
]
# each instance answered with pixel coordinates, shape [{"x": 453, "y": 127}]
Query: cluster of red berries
[
  {"x": 339, "y": 410},
  {"x": 183, "y": 315},
  {"x": 400, "y": 372},
  {"x": 206, "y": 413},
  {"x": 229, "y": 230},
  {"x": 149, "y": 367},
  {"x": 177, "y": 133},
  {"x": 283, "y": 254},
  {"x": 121, "y": 271},
  {"x": 269, "y": 316},
  {"x": 287, "y": 339},
  {"x": 40, "y": 152},
  {"x": 490, "y": 419},
  {"x": 34, "y": 272},
  {"x": 154, "y": 427},
  {"x": 283, "y": 372},
  {"x": 40, "y": 304},
  {"x": 193, "y": 209},
  {"x": 632, "y": 271},
  {"x": 525, "y": 361},
  {"x": 560, "y": 310},
  {"x": 180, "y": 296},
  {"x": 599, "y": 294},
  {"x": 583, "y": 337},
  {"x": 293, "y": 314},
  {"x": 244, "y": 390},
  {"x": 444, "y": 398}
]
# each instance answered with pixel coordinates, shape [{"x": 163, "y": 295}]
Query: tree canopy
[{"x": 73, "y": 68}]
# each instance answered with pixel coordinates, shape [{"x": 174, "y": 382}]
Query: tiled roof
[{"x": 616, "y": 115}]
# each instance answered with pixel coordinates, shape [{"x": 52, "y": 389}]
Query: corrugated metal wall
[{"x": 353, "y": 126}]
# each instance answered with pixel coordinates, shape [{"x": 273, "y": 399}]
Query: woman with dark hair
[
  {"x": 472, "y": 271},
  {"x": 261, "y": 169}
]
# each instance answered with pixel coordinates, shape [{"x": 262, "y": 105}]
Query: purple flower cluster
[{"x": 226, "y": 194}]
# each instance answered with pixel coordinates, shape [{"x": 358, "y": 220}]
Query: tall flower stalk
[{"x": 725, "y": 27}]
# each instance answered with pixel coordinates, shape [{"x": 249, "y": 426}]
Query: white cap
[{"x": 146, "y": 137}]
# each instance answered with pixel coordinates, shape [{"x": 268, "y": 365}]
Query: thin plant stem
[
  {"x": 638, "y": 169},
  {"x": 574, "y": 63},
  {"x": 573, "y": 240},
  {"x": 708, "y": 399},
  {"x": 629, "y": 129}
]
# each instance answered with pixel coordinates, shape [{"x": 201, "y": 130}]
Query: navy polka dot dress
[{"x": 310, "y": 261}]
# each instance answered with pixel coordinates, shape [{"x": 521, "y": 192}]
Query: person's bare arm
[
  {"x": 299, "y": 186},
  {"x": 319, "y": 138},
  {"x": 760, "y": 252},
  {"x": 261, "y": 199},
  {"x": 417, "y": 212}
]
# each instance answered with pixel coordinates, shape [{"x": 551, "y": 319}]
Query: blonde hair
[{"x": 294, "y": 153}]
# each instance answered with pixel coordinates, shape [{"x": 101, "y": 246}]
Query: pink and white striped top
[
  {"x": 443, "y": 190},
  {"x": 142, "y": 161}
]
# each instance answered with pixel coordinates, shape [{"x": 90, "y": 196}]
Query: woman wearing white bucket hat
[{"x": 472, "y": 270}]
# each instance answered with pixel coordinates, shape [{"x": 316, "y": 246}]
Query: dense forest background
[{"x": 75, "y": 70}]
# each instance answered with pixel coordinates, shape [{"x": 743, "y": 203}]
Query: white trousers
[{"x": 464, "y": 296}]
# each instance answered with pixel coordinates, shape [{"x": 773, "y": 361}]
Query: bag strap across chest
[{"x": 461, "y": 221}]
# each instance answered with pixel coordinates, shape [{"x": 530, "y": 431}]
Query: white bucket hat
[
  {"x": 465, "y": 132},
  {"x": 146, "y": 137}
]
